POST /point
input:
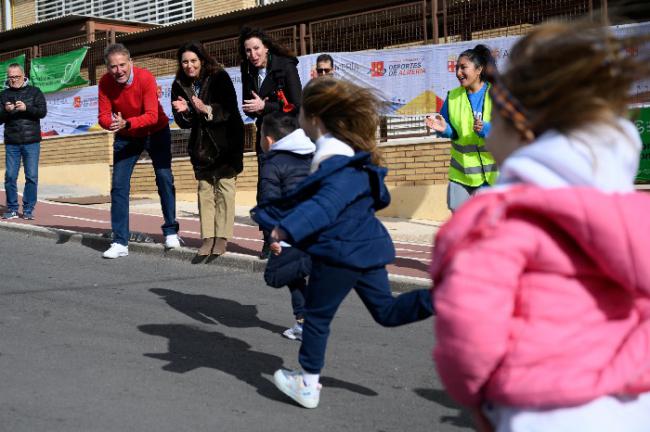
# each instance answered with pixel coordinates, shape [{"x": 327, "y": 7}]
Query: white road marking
[{"x": 82, "y": 219}]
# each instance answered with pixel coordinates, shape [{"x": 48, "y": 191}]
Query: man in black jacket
[{"x": 22, "y": 106}]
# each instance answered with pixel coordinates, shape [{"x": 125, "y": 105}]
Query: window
[{"x": 149, "y": 11}]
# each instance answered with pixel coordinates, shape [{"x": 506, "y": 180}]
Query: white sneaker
[
  {"x": 116, "y": 250},
  {"x": 172, "y": 241},
  {"x": 294, "y": 333},
  {"x": 292, "y": 384}
]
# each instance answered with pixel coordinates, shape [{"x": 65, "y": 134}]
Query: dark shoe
[
  {"x": 266, "y": 251},
  {"x": 206, "y": 247},
  {"x": 198, "y": 259},
  {"x": 28, "y": 216},
  {"x": 219, "y": 247},
  {"x": 10, "y": 214}
]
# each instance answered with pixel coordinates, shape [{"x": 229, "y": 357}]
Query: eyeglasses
[
  {"x": 14, "y": 77},
  {"x": 323, "y": 71}
]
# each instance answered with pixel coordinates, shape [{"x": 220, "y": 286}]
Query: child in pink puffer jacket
[{"x": 542, "y": 284}]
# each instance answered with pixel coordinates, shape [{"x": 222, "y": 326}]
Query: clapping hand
[
  {"x": 117, "y": 123},
  {"x": 9, "y": 106},
  {"x": 478, "y": 125},
  {"x": 436, "y": 122},
  {"x": 180, "y": 105},
  {"x": 20, "y": 106},
  {"x": 199, "y": 105}
]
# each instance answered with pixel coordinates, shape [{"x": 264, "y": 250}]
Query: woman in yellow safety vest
[{"x": 465, "y": 118}]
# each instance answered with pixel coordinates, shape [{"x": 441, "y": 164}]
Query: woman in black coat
[
  {"x": 270, "y": 83},
  {"x": 204, "y": 100}
]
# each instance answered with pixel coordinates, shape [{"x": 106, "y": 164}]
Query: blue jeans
[
  {"x": 29, "y": 154},
  {"x": 329, "y": 285},
  {"x": 126, "y": 152}
]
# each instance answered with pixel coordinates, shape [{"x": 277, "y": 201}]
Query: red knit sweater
[{"x": 138, "y": 103}]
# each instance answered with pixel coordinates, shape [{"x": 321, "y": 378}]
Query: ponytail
[{"x": 481, "y": 56}]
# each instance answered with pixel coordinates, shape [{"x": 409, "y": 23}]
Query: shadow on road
[
  {"x": 212, "y": 310},
  {"x": 192, "y": 348},
  {"x": 463, "y": 419}
]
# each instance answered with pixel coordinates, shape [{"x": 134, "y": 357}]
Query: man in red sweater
[{"x": 128, "y": 106}]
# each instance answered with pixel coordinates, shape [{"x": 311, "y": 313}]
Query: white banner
[{"x": 415, "y": 80}]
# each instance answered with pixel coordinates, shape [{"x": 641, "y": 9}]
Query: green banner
[
  {"x": 57, "y": 72},
  {"x": 643, "y": 125},
  {"x": 4, "y": 64}
]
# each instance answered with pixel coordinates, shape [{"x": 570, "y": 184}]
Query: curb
[{"x": 238, "y": 261}]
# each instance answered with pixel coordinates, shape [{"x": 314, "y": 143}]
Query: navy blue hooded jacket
[
  {"x": 331, "y": 214},
  {"x": 285, "y": 165}
]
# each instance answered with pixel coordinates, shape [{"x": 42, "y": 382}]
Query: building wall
[
  {"x": 80, "y": 160},
  {"x": 204, "y": 8},
  {"x": 24, "y": 12}
]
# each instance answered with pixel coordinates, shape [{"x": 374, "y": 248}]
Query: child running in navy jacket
[
  {"x": 331, "y": 216},
  {"x": 287, "y": 160}
]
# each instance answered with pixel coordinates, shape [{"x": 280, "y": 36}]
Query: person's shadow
[
  {"x": 212, "y": 310},
  {"x": 192, "y": 348},
  {"x": 462, "y": 419}
]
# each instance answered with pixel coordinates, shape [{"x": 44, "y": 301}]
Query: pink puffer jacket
[{"x": 543, "y": 297}]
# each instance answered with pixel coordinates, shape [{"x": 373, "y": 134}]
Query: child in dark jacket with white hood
[
  {"x": 287, "y": 159},
  {"x": 331, "y": 216}
]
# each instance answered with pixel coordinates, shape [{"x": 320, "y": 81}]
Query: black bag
[{"x": 291, "y": 264}]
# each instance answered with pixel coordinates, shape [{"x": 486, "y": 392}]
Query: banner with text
[{"x": 415, "y": 80}]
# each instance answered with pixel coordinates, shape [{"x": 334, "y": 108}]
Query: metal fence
[
  {"x": 398, "y": 25},
  {"x": 480, "y": 19}
]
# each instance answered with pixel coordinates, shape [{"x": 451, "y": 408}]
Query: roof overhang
[{"x": 63, "y": 28}]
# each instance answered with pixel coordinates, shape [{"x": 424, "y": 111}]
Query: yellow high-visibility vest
[{"x": 471, "y": 164}]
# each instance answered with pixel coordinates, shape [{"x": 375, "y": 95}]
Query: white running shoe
[
  {"x": 172, "y": 241},
  {"x": 294, "y": 333},
  {"x": 293, "y": 385},
  {"x": 116, "y": 250}
]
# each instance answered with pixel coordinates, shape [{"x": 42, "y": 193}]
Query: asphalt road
[{"x": 145, "y": 343}]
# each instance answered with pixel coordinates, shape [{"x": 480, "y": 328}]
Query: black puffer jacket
[
  {"x": 23, "y": 127},
  {"x": 282, "y": 74},
  {"x": 216, "y": 146}
]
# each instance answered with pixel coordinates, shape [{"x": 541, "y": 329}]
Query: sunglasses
[{"x": 323, "y": 71}]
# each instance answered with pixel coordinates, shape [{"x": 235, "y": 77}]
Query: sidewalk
[{"x": 87, "y": 223}]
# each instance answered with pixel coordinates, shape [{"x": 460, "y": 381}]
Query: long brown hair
[
  {"x": 348, "y": 111},
  {"x": 568, "y": 75}
]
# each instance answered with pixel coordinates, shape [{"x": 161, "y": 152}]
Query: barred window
[{"x": 156, "y": 12}]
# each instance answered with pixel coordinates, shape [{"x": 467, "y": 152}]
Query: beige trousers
[{"x": 217, "y": 207}]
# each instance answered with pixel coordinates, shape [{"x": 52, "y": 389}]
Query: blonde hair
[
  {"x": 348, "y": 111},
  {"x": 568, "y": 75}
]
